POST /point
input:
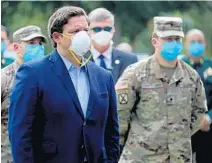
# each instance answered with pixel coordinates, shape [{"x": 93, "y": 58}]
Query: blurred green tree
[{"x": 133, "y": 18}]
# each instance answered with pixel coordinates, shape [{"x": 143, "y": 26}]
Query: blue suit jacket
[{"x": 46, "y": 122}]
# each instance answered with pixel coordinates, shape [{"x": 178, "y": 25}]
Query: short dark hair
[
  {"x": 154, "y": 35},
  {"x": 60, "y": 17}
]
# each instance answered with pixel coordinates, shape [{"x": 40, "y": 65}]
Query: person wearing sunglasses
[{"x": 101, "y": 31}]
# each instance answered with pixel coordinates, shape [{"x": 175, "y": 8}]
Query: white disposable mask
[
  {"x": 80, "y": 43},
  {"x": 102, "y": 38}
]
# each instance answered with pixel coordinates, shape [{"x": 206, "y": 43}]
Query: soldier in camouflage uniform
[
  {"x": 161, "y": 101},
  {"x": 28, "y": 45}
]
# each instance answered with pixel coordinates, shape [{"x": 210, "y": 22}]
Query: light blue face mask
[
  {"x": 196, "y": 49},
  {"x": 33, "y": 52},
  {"x": 170, "y": 50},
  {"x": 3, "y": 47}
]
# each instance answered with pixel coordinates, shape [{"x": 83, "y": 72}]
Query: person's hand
[{"x": 205, "y": 124}]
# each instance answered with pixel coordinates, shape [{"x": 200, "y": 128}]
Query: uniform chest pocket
[
  {"x": 187, "y": 90},
  {"x": 151, "y": 92},
  {"x": 149, "y": 105}
]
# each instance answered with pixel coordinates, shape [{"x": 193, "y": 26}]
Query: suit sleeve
[
  {"x": 21, "y": 114},
  {"x": 199, "y": 106},
  {"x": 112, "y": 127}
]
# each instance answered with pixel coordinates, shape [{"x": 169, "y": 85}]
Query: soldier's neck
[
  {"x": 19, "y": 61},
  {"x": 165, "y": 63}
]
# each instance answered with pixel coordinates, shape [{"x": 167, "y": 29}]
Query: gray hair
[
  {"x": 60, "y": 17},
  {"x": 101, "y": 14}
]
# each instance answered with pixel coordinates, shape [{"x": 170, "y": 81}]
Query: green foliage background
[{"x": 133, "y": 18}]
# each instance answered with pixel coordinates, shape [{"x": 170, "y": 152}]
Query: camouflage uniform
[
  {"x": 7, "y": 78},
  {"x": 157, "y": 117}
]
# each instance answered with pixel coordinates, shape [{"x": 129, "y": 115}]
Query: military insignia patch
[
  {"x": 120, "y": 85},
  {"x": 123, "y": 98},
  {"x": 207, "y": 72}
]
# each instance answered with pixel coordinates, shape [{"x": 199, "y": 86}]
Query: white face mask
[
  {"x": 80, "y": 43},
  {"x": 102, "y": 38}
]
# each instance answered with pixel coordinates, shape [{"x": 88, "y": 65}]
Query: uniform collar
[{"x": 155, "y": 69}]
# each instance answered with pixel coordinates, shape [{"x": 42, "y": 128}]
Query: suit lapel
[
  {"x": 87, "y": 55},
  {"x": 62, "y": 73},
  {"x": 93, "y": 88},
  {"x": 116, "y": 64}
]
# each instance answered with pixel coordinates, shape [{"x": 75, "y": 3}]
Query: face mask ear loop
[
  {"x": 86, "y": 61},
  {"x": 72, "y": 53}
]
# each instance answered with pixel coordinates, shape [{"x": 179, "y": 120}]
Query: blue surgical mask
[
  {"x": 196, "y": 49},
  {"x": 33, "y": 52},
  {"x": 170, "y": 50},
  {"x": 3, "y": 47}
]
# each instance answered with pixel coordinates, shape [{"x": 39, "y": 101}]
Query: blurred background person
[
  {"x": 4, "y": 39},
  {"x": 101, "y": 31},
  {"x": 28, "y": 45},
  {"x": 195, "y": 50},
  {"x": 124, "y": 46},
  {"x": 7, "y": 53}
]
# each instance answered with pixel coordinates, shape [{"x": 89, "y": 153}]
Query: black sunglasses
[{"x": 99, "y": 29}]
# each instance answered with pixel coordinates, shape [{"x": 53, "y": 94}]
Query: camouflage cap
[
  {"x": 27, "y": 33},
  {"x": 168, "y": 26}
]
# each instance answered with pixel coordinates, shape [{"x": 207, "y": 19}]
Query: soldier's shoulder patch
[{"x": 123, "y": 98}]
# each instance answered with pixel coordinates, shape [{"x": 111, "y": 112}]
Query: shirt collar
[
  {"x": 69, "y": 65},
  {"x": 107, "y": 54},
  {"x": 191, "y": 62}
]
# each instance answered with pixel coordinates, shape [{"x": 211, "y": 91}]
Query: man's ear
[
  {"x": 16, "y": 47},
  {"x": 56, "y": 37},
  {"x": 154, "y": 42}
]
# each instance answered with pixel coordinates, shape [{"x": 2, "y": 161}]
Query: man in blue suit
[
  {"x": 104, "y": 54},
  {"x": 63, "y": 107}
]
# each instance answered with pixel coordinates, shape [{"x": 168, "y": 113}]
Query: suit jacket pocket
[{"x": 104, "y": 95}]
